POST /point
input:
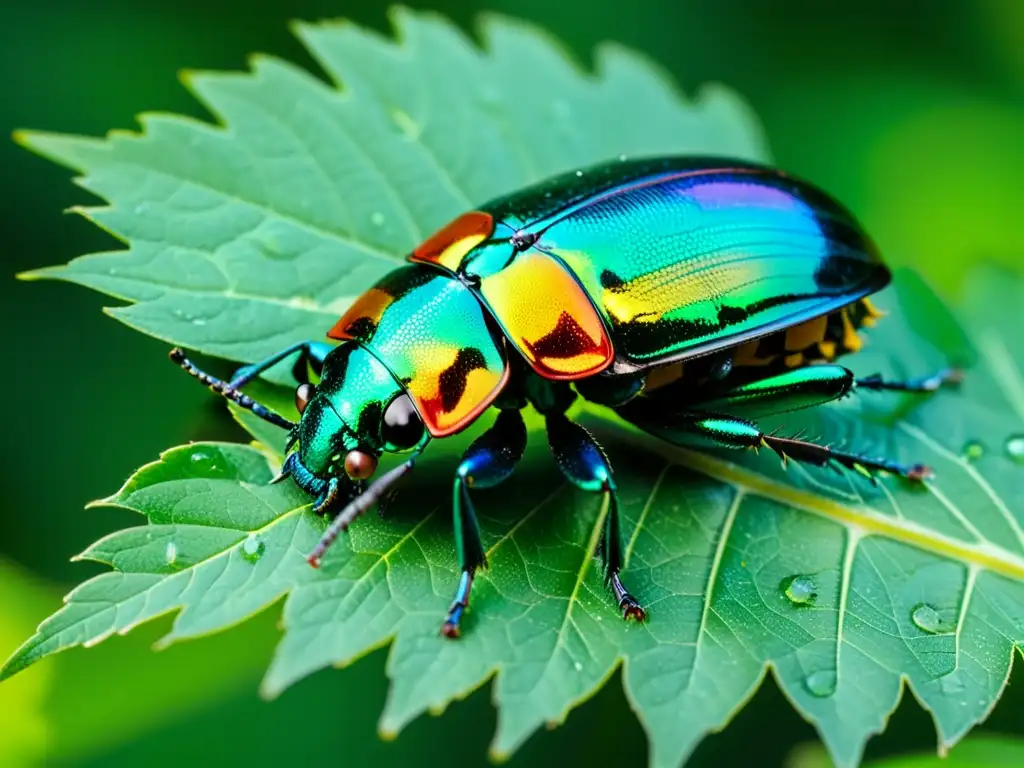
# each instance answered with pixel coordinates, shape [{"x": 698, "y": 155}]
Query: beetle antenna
[
  {"x": 226, "y": 390},
  {"x": 357, "y": 507}
]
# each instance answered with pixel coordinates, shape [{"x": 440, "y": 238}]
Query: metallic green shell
[
  {"x": 684, "y": 256},
  {"x": 431, "y": 332},
  {"x": 346, "y": 410}
]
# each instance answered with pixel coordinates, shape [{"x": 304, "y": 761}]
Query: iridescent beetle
[{"x": 688, "y": 294}]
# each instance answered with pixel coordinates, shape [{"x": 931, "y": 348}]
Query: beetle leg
[
  {"x": 488, "y": 461},
  {"x": 584, "y": 465},
  {"x": 311, "y": 355},
  {"x": 922, "y": 385},
  {"x": 722, "y": 431},
  {"x": 789, "y": 391}
]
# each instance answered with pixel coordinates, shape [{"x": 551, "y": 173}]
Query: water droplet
[
  {"x": 926, "y": 618},
  {"x": 253, "y": 547},
  {"x": 579, "y": 173},
  {"x": 1015, "y": 448},
  {"x": 952, "y": 685},
  {"x": 171, "y": 553},
  {"x": 799, "y": 590},
  {"x": 821, "y": 683},
  {"x": 578, "y": 666},
  {"x": 198, "y": 321},
  {"x": 622, "y": 158},
  {"x": 112, "y": 271},
  {"x": 972, "y": 450},
  {"x": 377, "y": 218},
  {"x": 199, "y": 457}
]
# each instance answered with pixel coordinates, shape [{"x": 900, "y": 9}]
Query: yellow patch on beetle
[
  {"x": 852, "y": 342},
  {"x": 800, "y": 337}
]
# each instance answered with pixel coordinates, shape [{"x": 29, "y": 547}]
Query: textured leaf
[
  {"x": 974, "y": 752},
  {"x": 245, "y": 238}
]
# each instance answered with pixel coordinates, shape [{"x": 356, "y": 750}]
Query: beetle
[{"x": 691, "y": 295}]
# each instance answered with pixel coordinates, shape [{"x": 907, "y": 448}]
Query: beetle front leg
[
  {"x": 311, "y": 354},
  {"x": 488, "y": 461},
  {"x": 584, "y": 465}
]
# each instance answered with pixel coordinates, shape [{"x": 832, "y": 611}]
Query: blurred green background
[{"x": 910, "y": 112}]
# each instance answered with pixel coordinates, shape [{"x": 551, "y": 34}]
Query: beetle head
[{"x": 356, "y": 412}]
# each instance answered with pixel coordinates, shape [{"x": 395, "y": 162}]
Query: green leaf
[
  {"x": 245, "y": 238},
  {"x": 974, "y": 752}
]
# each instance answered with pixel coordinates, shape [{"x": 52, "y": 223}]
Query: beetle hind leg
[
  {"x": 922, "y": 385},
  {"x": 584, "y": 464},
  {"x": 488, "y": 461},
  {"x": 722, "y": 431}
]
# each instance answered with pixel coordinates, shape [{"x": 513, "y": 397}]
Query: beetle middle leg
[
  {"x": 490, "y": 460},
  {"x": 807, "y": 387},
  {"x": 584, "y": 464}
]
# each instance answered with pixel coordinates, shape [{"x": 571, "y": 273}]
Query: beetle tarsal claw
[
  {"x": 284, "y": 474},
  {"x": 329, "y": 497}
]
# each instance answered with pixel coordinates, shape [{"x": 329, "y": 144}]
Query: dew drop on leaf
[
  {"x": 377, "y": 218},
  {"x": 953, "y": 685},
  {"x": 926, "y": 618},
  {"x": 799, "y": 590},
  {"x": 200, "y": 457},
  {"x": 821, "y": 683},
  {"x": 1015, "y": 448},
  {"x": 972, "y": 450},
  {"x": 253, "y": 547},
  {"x": 171, "y": 554}
]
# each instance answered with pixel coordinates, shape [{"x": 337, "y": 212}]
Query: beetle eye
[
  {"x": 303, "y": 394},
  {"x": 402, "y": 427}
]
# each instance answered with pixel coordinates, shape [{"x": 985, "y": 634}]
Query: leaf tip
[
  {"x": 22, "y": 137},
  {"x": 498, "y": 756},
  {"x": 106, "y": 501},
  {"x": 269, "y": 691},
  {"x": 36, "y": 274},
  {"x": 187, "y": 77}
]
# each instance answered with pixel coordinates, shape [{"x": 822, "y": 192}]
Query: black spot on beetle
[
  {"x": 453, "y": 378},
  {"x": 362, "y": 328},
  {"x": 611, "y": 281},
  {"x": 565, "y": 341}
]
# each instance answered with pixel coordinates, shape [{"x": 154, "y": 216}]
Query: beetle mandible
[{"x": 689, "y": 294}]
